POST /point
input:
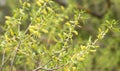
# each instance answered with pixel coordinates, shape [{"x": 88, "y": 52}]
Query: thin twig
[
  {"x": 49, "y": 69},
  {"x": 42, "y": 66},
  {"x": 14, "y": 56},
  {"x": 27, "y": 28},
  {"x": 52, "y": 69},
  {"x": 3, "y": 60}
]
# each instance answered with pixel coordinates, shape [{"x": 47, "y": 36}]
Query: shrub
[{"x": 42, "y": 36}]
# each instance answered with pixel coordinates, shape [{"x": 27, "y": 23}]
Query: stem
[
  {"x": 3, "y": 60},
  {"x": 14, "y": 56}
]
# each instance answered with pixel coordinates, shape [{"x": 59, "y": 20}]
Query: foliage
[{"x": 41, "y": 35}]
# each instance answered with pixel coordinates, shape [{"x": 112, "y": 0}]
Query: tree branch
[
  {"x": 62, "y": 2},
  {"x": 49, "y": 69},
  {"x": 98, "y": 15}
]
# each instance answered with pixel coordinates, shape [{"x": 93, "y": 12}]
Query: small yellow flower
[
  {"x": 66, "y": 69},
  {"x": 68, "y": 24},
  {"x": 38, "y": 19},
  {"x": 47, "y": 0},
  {"x": 38, "y": 3},
  {"x": 66, "y": 17},
  {"x": 74, "y": 68},
  {"x": 28, "y": 4},
  {"x": 44, "y": 31},
  {"x": 6, "y": 37},
  {"x": 62, "y": 8},
  {"x": 7, "y": 17},
  {"x": 49, "y": 9},
  {"x": 11, "y": 32},
  {"x": 44, "y": 11},
  {"x": 92, "y": 51},
  {"x": 83, "y": 47},
  {"x": 76, "y": 33},
  {"x": 80, "y": 58}
]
